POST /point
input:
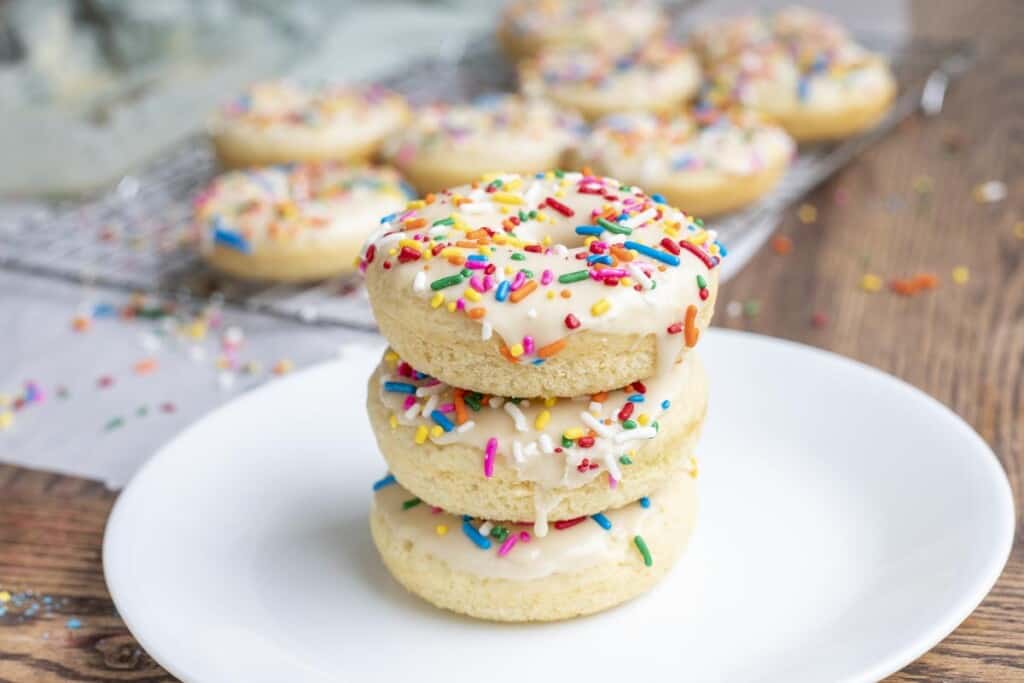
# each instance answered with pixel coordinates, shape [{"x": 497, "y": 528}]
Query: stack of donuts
[{"x": 541, "y": 400}]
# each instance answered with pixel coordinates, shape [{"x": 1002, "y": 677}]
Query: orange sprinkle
[
  {"x": 926, "y": 281},
  {"x": 782, "y": 245},
  {"x": 523, "y": 292},
  {"x": 478, "y": 234},
  {"x": 691, "y": 333},
  {"x": 460, "y": 407},
  {"x": 430, "y": 198},
  {"x": 621, "y": 253},
  {"x": 566, "y": 294},
  {"x": 467, "y": 244},
  {"x": 552, "y": 348},
  {"x": 586, "y": 171},
  {"x": 144, "y": 367},
  {"x": 508, "y": 354},
  {"x": 414, "y": 223},
  {"x": 600, "y": 397},
  {"x": 477, "y": 313},
  {"x": 456, "y": 259}
]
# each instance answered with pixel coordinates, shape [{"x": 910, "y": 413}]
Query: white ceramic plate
[{"x": 848, "y": 523}]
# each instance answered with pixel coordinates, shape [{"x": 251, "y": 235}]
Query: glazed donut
[
  {"x": 707, "y": 162},
  {"x": 293, "y": 222},
  {"x": 659, "y": 76},
  {"x": 534, "y": 460},
  {"x": 278, "y": 122},
  {"x": 528, "y": 26},
  {"x": 500, "y": 571},
  {"x": 449, "y": 145},
  {"x": 807, "y": 76},
  {"x": 557, "y": 284}
]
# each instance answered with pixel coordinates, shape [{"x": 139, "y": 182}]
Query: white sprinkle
[
  {"x": 734, "y": 309},
  {"x": 531, "y": 449},
  {"x": 611, "y": 463},
  {"x": 532, "y": 195},
  {"x": 639, "y": 275},
  {"x": 476, "y": 208},
  {"x": 495, "y": 401},
  {"x": 532, "y": 314},
  {"x": 431, "y": 390},
  {"x": 594, "y": 407},
  {"x": 486, "y": 330},
  {"x": 546, "y": 446},
  {"x": 485, "y": 528},
  {"x": 465, "y": 427},
  {"x": 517, "y": 452},
  {"x": 419, "y": 283},
  {"x": 636, "y": 434},
  {"x": 150, "y": 342},
  {"x": 560, "y": 250},
  {"x": 595, "y": 424},
  {"x": 640, "y": 218},
  {"x": 430, "y": 405},
  {"x": 517, "y": 416},
  {"x": 412, "y": 411}
]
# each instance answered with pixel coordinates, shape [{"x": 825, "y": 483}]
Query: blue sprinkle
[
  {"x": 476, "y": 257},
  {"x": 645, "y": 502},
  {"x": 104, "y": 311},
  {"x": 408, "y": 189},
  {"x": 230, "y": 239},
  {"x": 400, "y": 388},
  {"x": 803, "y": 87},
  {"x": 537, "y": 361},
  {"x": 721, "y": 249},
  {"x": 387, "y": 219},
  {"x": 74, "y": 624},
  {"x": 481, "y": 542},
  {"x": 595, "y": 230},
  {"x": 636, "y": 398},
  {"x": 442, "y": 420},
  {"x": 599, "y": 258},
  {"x": 503, "y": 289},
  {"x": 665, "y": 404},
  {"x": 657, "y": 198},
  {"x": 386, "y": 481},
  {"x": 658, "y": 255},
  {"x": 602, "y": 521}
]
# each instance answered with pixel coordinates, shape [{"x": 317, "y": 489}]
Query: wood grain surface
[{"x": 905, "y": 207}]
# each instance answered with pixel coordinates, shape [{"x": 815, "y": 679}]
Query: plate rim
[{"x": 919, "y": 645}]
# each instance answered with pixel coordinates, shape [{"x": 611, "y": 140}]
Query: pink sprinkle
[
  {"x": 507, "y": 545},
  {"x": 477, "y": 283},
  {"x": 546, "y": 277},
  {"x": 409, "y": 402},
  {"x": 436, "y": 511},
  {"x": 447, "y": 407},
  {"x": 488, "y": 282},
  {"x": 524, "y": 536},
  {"x": 518, "y": 281},
  {"x": 460, "y": 304},
  {"x": 612, "y": 481},
  {"x": 489, "y": 452},
  {"x": 606, "y": 273},
  {"x": 475, "y": 265},
  {"x": 528, "y": 344}
]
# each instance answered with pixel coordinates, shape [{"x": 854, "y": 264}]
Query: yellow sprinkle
[
  {"x": 441, "y": 529},
  {"x": 574, "y": 433},
  {"x": 871, "y": 283},
  {"x": 412, "y": 244},
  {"x": 6, "y": 420},
  {"x": 416, "y": 204},
  {"x": 436, "y": 432},
  {"x": 692, "y": 467},
  {"x": 600, "y": 308},
  {"x": 196, "y": 330},
  {"x": 643, "y": 418},
  {"x": 282, "y": 367},
  {"x": 392, "y": 251},
  {"x": 961, "y": 275},
  {"x": 450, "y": 306},
  {"x": 503, "y": 210},
  {"x": 542, "y": 420},
  {"x": 923, "y": 184},
  {"x": 559, "y": 194},
  {"x": 590, "y": 240},
  {"x": 451, "y": 251},
  {"x": 671, "y": 230},
  {"x": 1018, "y": 230},
  {"x": 391, "y": 358},
  {"x": 700, "y": 238},
  {"x": 807, "y": 213},
  {"x": 5, "y": 596},
  {"x": 483, "y": 250},
  {"x": 626, "y": 282},
  {"x": 421, "y": 434},
  {"x": 546, "y": 241},
  {"x": 506, "y": 198},
  {"x": 427, "y": 255},
  {"x": 509, "y": 270},
  {"x": 516, "y": 350},
  {"x": 393, "y": 421},
  {"x": 550, "y": 401},
  {"x": 472, "y": 294},
  {"x": 436, "y": 300},
  {"x": 550, "y": 294},
  {"x": 513, "y": 185}
]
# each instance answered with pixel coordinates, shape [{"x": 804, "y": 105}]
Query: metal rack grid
[{"x": 138, "y": 236}]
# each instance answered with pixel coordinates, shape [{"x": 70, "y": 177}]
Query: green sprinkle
[
  {"x": 499, "y": 532},
  {"x": 142, "y": 411},
  {"x": 443, "y": 221},
  {"x": 641, "y": 545},
  {"x": 701, "y": 282},
  {"x": 574, "y": 276},
  {"x": 532, "y": 214},
  {"x": 752, "y": 308},
  {"x": 527, "y": 272},
  {"x": 629, "y": 424},
  {"x": 113, "y": 424},
  {"x": 465, "y": 273},
  {"x": 656, "y": 426},
  {"x": 473, "y": 401},
  {"x": 497, "y": 182},
  {"x": 411, "y": 503},
  {"x": 699, "y": 221},
  {"x": 566, "y": 442},
  {"x": 614, "y": 227},
  {"x": 518, "y": 256},
  {"x": 559, "y": 174},
  {"x": 625, "y": 460},
  {"x": 442, "y": 282}
]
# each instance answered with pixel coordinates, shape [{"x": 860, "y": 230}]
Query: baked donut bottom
[
  {"x": 451, "y": 348},
  {"x": 451, "y": 475},
  {"x": 241, "y": 149},
  {"x": 585, "y": 568},
  {"x": 809, "y": 124},
  {"x": 286, "y": 261}
]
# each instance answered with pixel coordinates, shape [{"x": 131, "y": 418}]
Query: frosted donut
[
  {"x": 528, "y": 26},
  {"x": 501, "y": 572},
  {"x": 708, "y": 162},
  {"x": 659, "y": 76},
  {"x": 278, "y": 122},
  {"x": 449, "y": 145},
  {"x": 808, "y": 77},
  {"x": 558, "y": 284},
  {"x": 292, "y": 223},
  {"x": 535, "y": 460}
]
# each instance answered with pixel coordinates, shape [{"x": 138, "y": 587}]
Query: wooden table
[{"x": 963, "y": 344}]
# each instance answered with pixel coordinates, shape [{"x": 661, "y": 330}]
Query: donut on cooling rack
[
  {"x": 800, "y": 69},
  {"x": 448, "y": 145},
  {"x": 557, "y": 284},
  {"x": 279, "y": 122},
  {"x": 502, "y": 571},
  {"x": 707, "y": 161},
  {"x": 529, "y": 26},
  {"x": 535, "y": 459},
  {"x": 294, "y": 222},
  {"x": 657, "y": 76}
]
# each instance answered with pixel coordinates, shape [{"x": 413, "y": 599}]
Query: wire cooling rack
[{"x": 138, "y": 236}]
